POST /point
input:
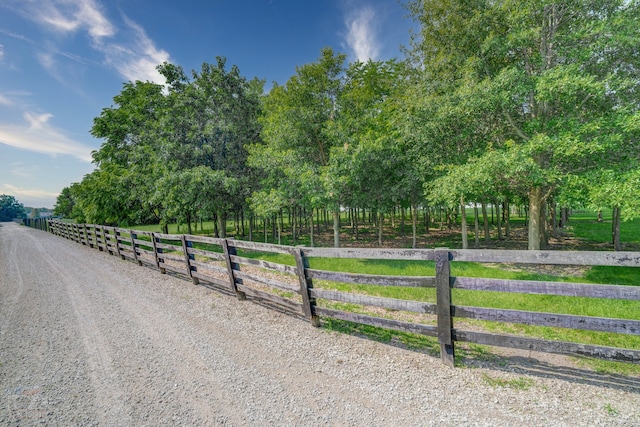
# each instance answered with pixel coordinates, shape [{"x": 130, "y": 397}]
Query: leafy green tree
[
  {"x": 547, "y": 82},
  {"x": 64, "y": 203},
  {"x": 212, "y": 120},
  {"x": 10, "y": 208},
  {"x": 297, "y": 123}
]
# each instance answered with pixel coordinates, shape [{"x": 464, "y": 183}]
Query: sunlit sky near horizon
[{"x": 62, "y": 62}]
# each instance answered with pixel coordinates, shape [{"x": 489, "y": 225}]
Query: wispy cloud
[
  {"x": 40, "y": 136},
  {"x": 73, "y": 15},
  {"x": 22, "y": 170},
  {"x": 1, "y": 52},
  {"x": 35, "y": 198},
  {"x": 138, "y": 59},
  {"x": 128, "y": 49},
  {"x": 361, "y": 36},
  {"x": 4, "y": 100}
]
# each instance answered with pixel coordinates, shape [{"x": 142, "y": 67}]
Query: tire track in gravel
[
  {"x": 12, "y": 282},
  {"x": 106, "y": 384},
  {"x": 161, "y": 352}
]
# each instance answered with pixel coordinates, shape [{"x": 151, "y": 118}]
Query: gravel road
[{"x": 89, "y": 339}]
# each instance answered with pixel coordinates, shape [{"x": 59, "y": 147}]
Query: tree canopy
[
  {"x": 497, "y": 102},
  {"x": 10, "y": 208}
]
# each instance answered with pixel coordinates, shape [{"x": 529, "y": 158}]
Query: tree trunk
[
  {"x": 380, "y": 227},
  {"x": 189, "y": 224},
  {"x": 554, "y": 220},
  {"x": 615, "y": 229},
  {"x": 222, "y": 224},
  {"x": 544, "y": 230},
  {"x": 507, "y": 213},
  {"x": 498, "y": 219},
  {"x": 465, "y": 238},
  {"x": 414, "y": 225},
  {"x": 534, "y": 214},
  {"x": 336, "y": 228},
  {"x": 485, "y": 218},
  {"x": 311, "y": 242},
  {"x": 476, "y": 225}
]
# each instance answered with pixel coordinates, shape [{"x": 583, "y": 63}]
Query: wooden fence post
[
  {"x": 443, "y": 306},
  {"x": 188, "y": 257},
  {"x": 116, "y": 232},
  {"x": 306, "y": 283},
  {"x": 133, "y": 236},
  {"x": 156, "y": 251},
  {"x": 228, "y": 251}
]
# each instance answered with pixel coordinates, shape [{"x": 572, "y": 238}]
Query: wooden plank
[
  {"x": 616, "y": 259},
  {"x": 204, "y": 239},
  {"x": 443, "y": 301},
  {"x": 201, "y": 276},
  {"x": 305, "y": 286},
  {"x": 188, "y": 258},
  {"x": 390, "y": 303},
  {"x": 134, "y": 247},
  {"x": 260, "y": 247},
  {"x": 171, "y": 257},
  {"x": 174, "y": 269},
  {"x": 169, "y": 246},
  {"x": 282, "y": 268},
  {"x": 206, "y": 266},
  {"x": 549, "y": 288},
  {"x": 373, "y": 279},
  {"x": 268, "y": 282},
  {"x": 167, "y": 236},
  {"x": 209, "y": 254},
  {"x": 371, "y": 253},
  {"x": 275, "y": 299},
  {"x": 231, "y": 267},
  {"x": 588, "y": 323},
  {"x": 396, "y": 325},
  {"x": 558, "y": 347}
]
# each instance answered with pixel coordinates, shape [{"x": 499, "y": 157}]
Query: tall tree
[
  {"x": 553, "y": 78},
  {"x": 297, "y": 123},
  {"x": 10, "y": 208}
]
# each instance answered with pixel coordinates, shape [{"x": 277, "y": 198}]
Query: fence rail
[{"x": 232, "y": 266}]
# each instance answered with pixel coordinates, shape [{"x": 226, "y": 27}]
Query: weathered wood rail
[{"x": 232, "y": 266}]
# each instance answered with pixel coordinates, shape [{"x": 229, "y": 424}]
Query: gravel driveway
[{"x": 89, "y": 339}]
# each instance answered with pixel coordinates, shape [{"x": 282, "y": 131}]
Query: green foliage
[{"x": 10, "y": 208}]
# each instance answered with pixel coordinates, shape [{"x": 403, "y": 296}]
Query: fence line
[{"x": 230, "y": 265}]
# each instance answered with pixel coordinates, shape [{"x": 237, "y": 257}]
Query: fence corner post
[
  {"x": 228, "y": 252},
  {"x": 306, "y": 283},
  {"x": 443, "y": 306}
]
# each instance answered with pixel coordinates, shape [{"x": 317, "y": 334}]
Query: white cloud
[
  {"x": 23, "y": 171},
  {"x": 361, "y": 33},
  {"x": 72, "y": 15},
  {"x": 18, "y": 191},
  {"x": 129, "y": 51},
  {"x": 137, "y": 60},
  {"x": 1, "y": 52},
  {"x": 4, "y": 100},
  {"x": 42, "y": 137},
  {"x": 30, "y": 197}
]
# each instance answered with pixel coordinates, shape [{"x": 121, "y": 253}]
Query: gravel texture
[{"x": 89, "y": 339}]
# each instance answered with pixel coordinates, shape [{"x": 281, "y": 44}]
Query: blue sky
[{"x": 62, "y": 61}]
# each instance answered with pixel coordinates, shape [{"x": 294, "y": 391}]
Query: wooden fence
[{"x": 235, "y": 266}]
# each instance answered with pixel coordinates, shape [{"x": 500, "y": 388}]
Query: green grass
[
  {"x": 520, "y": 383},
  {"x": 584, "y": 225}
]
